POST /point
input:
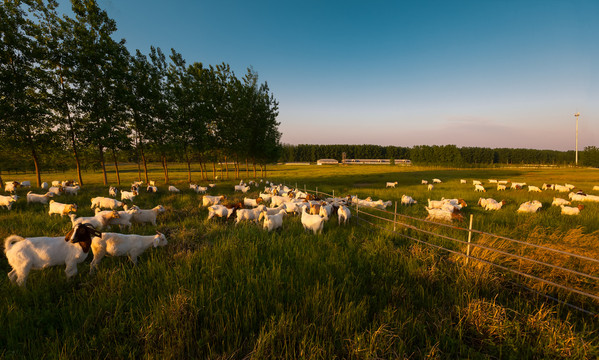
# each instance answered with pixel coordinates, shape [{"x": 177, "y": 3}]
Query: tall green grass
[{"x": 221, "y": 291}]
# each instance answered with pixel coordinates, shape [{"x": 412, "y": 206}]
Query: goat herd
[
  {"x": 25, "y": 254},
  {"x": 271, "y": 206},
  {"x": 449, "y": 209}
]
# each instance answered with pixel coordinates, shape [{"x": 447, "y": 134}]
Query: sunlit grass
[{"x": 220, "y": 291}]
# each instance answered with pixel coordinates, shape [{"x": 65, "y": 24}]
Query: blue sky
[{"x": 494, "y": 73}]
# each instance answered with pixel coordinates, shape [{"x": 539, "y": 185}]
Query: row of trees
[
  {"x": 67, "y": 85},
  {"x": 439, "y": 155}
]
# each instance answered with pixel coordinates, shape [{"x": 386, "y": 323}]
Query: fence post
[
  {"x": 357, "y": 210},
  {"x": 469, "y": 238},
  {"x": 394, "y": 216},
  {"x": 317, "y": 191}
]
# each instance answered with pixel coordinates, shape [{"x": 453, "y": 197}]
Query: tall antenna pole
[{"x": 576, "y": 116}]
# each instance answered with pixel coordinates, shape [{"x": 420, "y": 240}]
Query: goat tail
[{"x": 10, "y": 241}]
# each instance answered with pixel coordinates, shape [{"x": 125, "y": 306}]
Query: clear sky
[{"x": 496, "y": 73}]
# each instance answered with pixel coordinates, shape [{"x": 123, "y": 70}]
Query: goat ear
[
  {"x": 156, "y": 240},
  {"x": 68, "y": 235}
]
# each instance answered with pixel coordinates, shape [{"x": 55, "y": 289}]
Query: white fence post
[
  {"x": 357, "y": 210},
  {"x": 394, "y": 216},
  {"x": 469, "y": 238}
]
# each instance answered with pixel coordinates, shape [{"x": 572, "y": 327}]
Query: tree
[
  {"x": 99, "y": 69},
  {"x": 23, "y": 105}
]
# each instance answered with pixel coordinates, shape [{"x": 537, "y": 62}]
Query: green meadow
[{"x": 219, "y": 291}]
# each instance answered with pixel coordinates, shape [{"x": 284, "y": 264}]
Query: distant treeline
[{"x": 440, "y": 155}]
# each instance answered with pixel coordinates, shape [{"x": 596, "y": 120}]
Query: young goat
[
  {"x": 116, "y": 244},
  {"x": 61, "y": 209},
  {"x": 7, "y": 201},
  {"x": 312, "y": 222}
]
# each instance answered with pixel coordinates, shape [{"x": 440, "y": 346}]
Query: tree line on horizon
[
  {"x": 67, "y": 87},
  {"x": 450, "y": 155}
]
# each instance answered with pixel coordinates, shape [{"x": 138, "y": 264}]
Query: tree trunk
[
  {"x": 116, "y": 167},
  {"x": 72, "y": 132},
  {"x": 188, "y": 166},
  {"x": 265, "y": 173},
  {"x": 1, "y": 182},
  {"x": 165, "y": 167},
  {"x": 138, "y": 170},
  {"x": 38, "y": 176},
  {"x": 143, "y": 158},
  {"x": 236, "y": 167},
  {"x": 226, "y": 168},
  {"x": 103, "y": 165},
  {"x": 247, "y": 168},
  {"x": 254, "y": 169},
  {"x": 201, "y": 167},
  {"x": 214, "y": 170}
]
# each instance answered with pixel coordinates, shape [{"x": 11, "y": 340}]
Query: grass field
[{"x": 219, "y": 291}]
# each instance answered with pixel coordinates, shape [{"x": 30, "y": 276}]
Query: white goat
[
  {"x": 568, "y": 210},
  {"x": 407, "y": 200},
  {"x": 596, "y": 188},
  {"x": 517, "y": 185},
  {"x": 36, "y": 253},
  {"x": 128, "y": 195},
  {"x": 492, "y": 181},
  {"x": 11, "y": 186},
  {"x": 391, "y": 184},
  {"x": 530, "y": 206},
  {"x": 483, "y": 202},
  {"x": 112, "y": 191},
  {"x": 463, "y": 181},
  {"x": 99, "y": 221},
  {"x": 208, "y": 200},
  {"x": 273, "y": 222},
  {"x": 152, "y": 189},
  {"x": 7, "y": 201},
  {"x": 57, "y": 190},
  {"x": 242, "y": 188},
  {"x": 144, "y": 216},
  {"x": 436, "y": 181},
  {"x": 560, "y": 201},
  {"x": 312, "y": 222},
  {"x": 173, "y": 189},
  {"x": 476, "y": 182},
  {"x": 125, "y": 218},
  {"x": 501, "y": 187},
  {"x": 424, "y": 182},
  {"x": 105, "y": 203},
  {"x": 443, "y": 214},
  {"x": 430, "y": 187},
  {"x": 252, "y": 202},
  {"x": 220, "y": 211},
  {"x": 326, "y": 210},
  {"x": 533, "y": 188},
  {"x": 45, "y": 185},
  {"x": 116, "y": 244},
  {"x": 479, "y": 188},
  {"x": 495, "y": 206},
  {"x": 249, "y": 214},
  {"x": 61, "y": 209},
  {"x": 71, "y": 190},
  {"x": 343, "y": 214},
  {"x": 561, "y": 188}
]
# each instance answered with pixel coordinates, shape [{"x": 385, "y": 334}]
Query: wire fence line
[{"x": 369, "y": 216}]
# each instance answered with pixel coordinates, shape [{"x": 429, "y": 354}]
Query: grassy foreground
[{"x": 217, "y": 291}]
